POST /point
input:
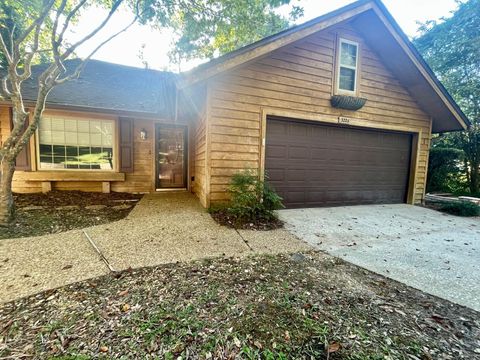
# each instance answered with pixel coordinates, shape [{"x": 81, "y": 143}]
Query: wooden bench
[{"x": 47, "y": 177}]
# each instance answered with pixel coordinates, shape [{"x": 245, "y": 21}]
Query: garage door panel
[
  {"x": 277, "y": 151},
  {"x": 298, "y": 152},
  {"x": 319, "y": 165}
]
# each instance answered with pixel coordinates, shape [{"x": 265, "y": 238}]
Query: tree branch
[
  {"x": 6, "y": 91},
  {"x": 27, "y": 63},
  {"x": 80, "y": 67},
  {"x": 69, "y": 17},
  {"x": 50, "y": 77},
  {"x": 73, "y": 47},
  {"x": 55, "y": 43},
  {"x": 4, "y": 48},
  {"x": 39, "y": 20}
]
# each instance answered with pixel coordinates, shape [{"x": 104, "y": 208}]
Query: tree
[
  {"x": 20, "y": 45},
  {"x": 12, "y": 15},
  {"x": 207, "y": 28},
  {"x": 443, "y": 169},
  {"x": 452, "y": 48}
]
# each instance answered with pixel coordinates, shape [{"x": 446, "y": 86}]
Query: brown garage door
[{"x": 318, "y": 165}]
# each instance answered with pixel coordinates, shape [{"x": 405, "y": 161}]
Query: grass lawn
[{"x": 309, "y": 306}]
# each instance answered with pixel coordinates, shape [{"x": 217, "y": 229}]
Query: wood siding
[
  {"x": 298, "y": 79},
  {"x": 19, "y": 184},
  {"x": 141, "y": 180},
  {"x": 200, "y": 164}
]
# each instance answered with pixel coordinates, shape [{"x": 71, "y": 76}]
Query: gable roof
[
  {"x": 107, "y": 86},
  {"x": 385, "y": 36}
]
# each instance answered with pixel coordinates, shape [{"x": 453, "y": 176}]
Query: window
[
  {"x": 71, "y": 143},
  {"x": 347, "y": 66}
]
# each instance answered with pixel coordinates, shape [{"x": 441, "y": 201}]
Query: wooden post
[
  {"x": 106, "y": 187},
  {"x": 46, "y": 186}
]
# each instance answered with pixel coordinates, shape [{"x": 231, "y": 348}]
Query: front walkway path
[{"x": 162, "y": 228}]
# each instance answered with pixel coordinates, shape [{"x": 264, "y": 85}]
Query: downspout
[{"x": 175, "y": 116}]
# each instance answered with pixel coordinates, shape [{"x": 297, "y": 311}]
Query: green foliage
[
  {"x": 461, "y": 208},
  {"x": 18, "y": 15},
  {"x": 206, "y": 28},
  {"x": 252, "y": 198},
  {"x": 444, "y": 170},
  {"x": 452, "y": 48},
  {"x": 202, "y": 28}
]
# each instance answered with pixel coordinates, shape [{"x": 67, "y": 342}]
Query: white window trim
[
  {"x": 337, "y": 80},
  {"x": 114, "y": 147}
]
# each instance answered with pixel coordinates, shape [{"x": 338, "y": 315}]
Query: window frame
[
  {"x": 82, "y": 117},
  {"x": 338, "y": 90}
]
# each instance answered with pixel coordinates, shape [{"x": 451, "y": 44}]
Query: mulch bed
[
  {"x": 300, "y": 306},
  {"x": 58, "y": 211},
  {"x": 222, "y": 217}
]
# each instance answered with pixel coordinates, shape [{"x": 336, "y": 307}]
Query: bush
[
  {"x": 445, "y": 170},
  {"x": 461, "y": 208},
  {"x": 252, "y": 199}
]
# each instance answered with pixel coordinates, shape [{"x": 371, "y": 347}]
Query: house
[{"x": 336, "y": 111}]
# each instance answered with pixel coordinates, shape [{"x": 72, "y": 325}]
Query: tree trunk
[{"x": 6, "y": 197}]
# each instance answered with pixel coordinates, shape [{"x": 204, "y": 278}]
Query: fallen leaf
[
  {"x": 258, "y": 344},
  {"x": 123, "y": 293},
  {"x": 237, "y": 342},
  {"x": 103, "y": 349},
  {"x": 125, "y": 307},
  {"x": 333, "y": 347},
  {"x": 66, "y": 267}
]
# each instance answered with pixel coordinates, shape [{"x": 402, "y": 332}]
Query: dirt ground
[
  {"x": 222, "y": 217},
  {"x": 300, "y": 306},
  {"x": 58, "y": 211}
]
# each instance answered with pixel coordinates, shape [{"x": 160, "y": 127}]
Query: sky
[{"x": 154, "y": 44}]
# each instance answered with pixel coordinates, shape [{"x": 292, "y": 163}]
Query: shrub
[
  {"x": 252, "y": 199},
  {"x": 461, "y": 208},
  {"x": 445, "y": 170}
]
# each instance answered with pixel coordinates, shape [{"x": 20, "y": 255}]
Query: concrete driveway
[{"x": 423, "y": 248}]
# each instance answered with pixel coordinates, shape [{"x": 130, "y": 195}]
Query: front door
[{"x": 171, "y": 152}]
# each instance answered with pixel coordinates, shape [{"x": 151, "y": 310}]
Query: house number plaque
[{"x": 343, "y": 120}]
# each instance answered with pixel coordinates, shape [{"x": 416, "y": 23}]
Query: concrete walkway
[
  {"x": 162, "y": 228},
  {"x": 423, "y": 248}
]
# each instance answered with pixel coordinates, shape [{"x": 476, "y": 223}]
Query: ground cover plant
[
  {"x": 300, "y": 306},
  {"x": 57, "y": 211},
  {"x": 252, "y": 204},
  {"x": 460, "y": 208}
]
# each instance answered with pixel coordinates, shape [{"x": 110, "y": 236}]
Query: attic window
[{"x": 347, "y": 67}]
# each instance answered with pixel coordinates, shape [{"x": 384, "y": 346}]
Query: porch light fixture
[{"x": 143, "y": 134}]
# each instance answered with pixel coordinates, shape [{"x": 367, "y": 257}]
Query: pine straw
[{"x": 300, "y": 306}]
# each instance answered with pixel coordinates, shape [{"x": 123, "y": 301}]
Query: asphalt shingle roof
[{"x": 107, "y": 86}]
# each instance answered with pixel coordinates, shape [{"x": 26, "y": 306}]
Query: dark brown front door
[
  {"x": 171, "y": 150},
  {"x": 318, "y": 165}
]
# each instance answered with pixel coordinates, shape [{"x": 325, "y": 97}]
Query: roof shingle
[{"x": 106, "y": 86}]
